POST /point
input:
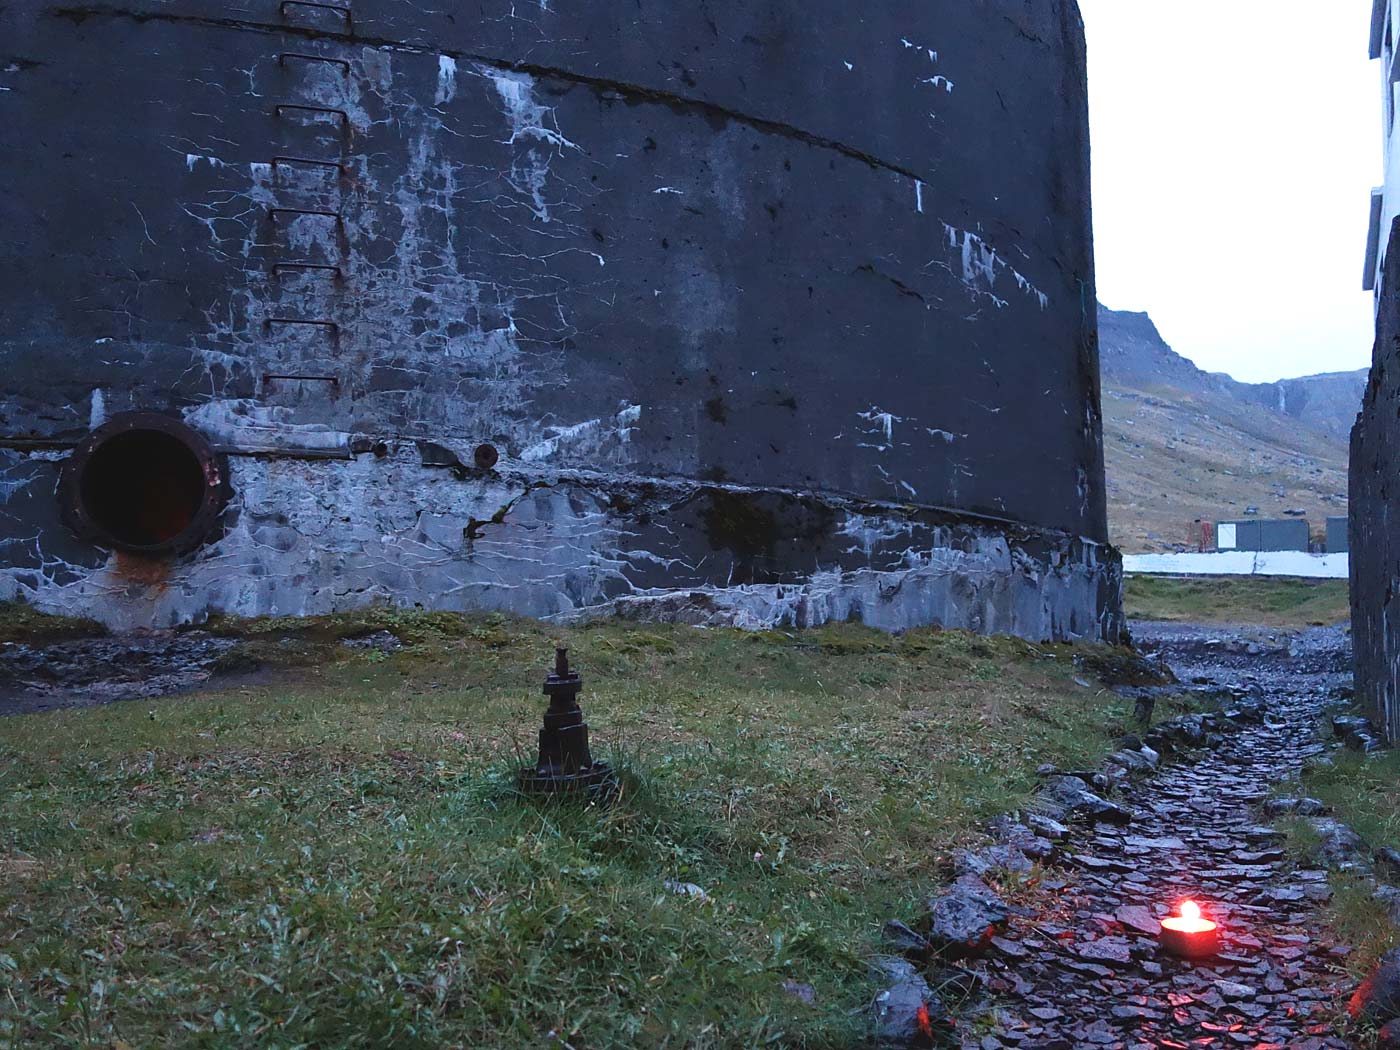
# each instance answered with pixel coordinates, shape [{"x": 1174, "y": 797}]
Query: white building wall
[{"x": 1385, "y": 203}]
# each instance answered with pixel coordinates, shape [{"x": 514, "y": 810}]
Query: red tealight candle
[{"x": 1188, "y": 935}]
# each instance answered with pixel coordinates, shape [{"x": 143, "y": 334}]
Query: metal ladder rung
[
  {"x": 277, "y": 268},
  {"x": 344, "y": 65},
  {"x": 274, "y": 212},
  {"x": 309, "y": 162},
  {"x": 332, "y": 325},
  {"x": 344, "y": 116}
]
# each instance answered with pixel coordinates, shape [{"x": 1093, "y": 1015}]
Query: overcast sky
[{"x": 1235, "y": 146}]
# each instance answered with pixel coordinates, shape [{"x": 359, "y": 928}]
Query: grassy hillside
[
  {"x": 1173, "y": 456},
  {"x": 339, "y": 859}
]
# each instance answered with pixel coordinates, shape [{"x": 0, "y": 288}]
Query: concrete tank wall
[
  {"x": 786, "y": 308},
  {"x": 1375, "y": 507}
]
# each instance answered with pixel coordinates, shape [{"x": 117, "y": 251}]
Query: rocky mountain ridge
[
  {"x": 1133, "y": 353},
  {"x": 1183, "y": 444}
]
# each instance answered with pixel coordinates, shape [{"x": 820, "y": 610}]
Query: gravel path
[{"x": 1087, "y": 972}]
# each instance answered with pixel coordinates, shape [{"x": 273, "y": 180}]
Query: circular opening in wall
[{"x": 144, "y": 483}]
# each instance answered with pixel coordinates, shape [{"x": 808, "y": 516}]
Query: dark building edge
[{"x": 1375, "y": 507}]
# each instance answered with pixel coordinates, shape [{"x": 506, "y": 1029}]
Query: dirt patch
[{"x": 18, "y": 866}]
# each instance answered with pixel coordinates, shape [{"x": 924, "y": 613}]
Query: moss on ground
[
  {"x": 339, "y": 859},
  {"x": 1266, "y": 601},
  {"x": 20, "y": 623}
]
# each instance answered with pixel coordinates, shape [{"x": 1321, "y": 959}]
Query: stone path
[{"x": 1087, "y": 972}]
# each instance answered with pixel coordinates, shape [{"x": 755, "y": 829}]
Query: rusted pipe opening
[{"x": 144, "y": 482}]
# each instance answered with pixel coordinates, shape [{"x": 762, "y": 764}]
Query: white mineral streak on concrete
[
  {"x": 419, "y": 305},
  {"x": 533, "y": 125},
  {"x": 193, "y": 159},
  {"x": 1241, "y": 563},
  {"x": 669, "y": 189},
  {"x": 306, "y": 538},
  {"x": 919, "y": 195},
  {"x": 528, "y": 119},
  {"x": 586, "y": 437},
  {"x": 246, "y": 426},
  {"x": 447, "y": 80},
  {"x": 939, "y": 81},
  {"x": 12, "y": 480},
  {"x": 982, "y": 266},
  {"x": 991, "y": 589},
  {"x": 909, "y": 44},
  {"x": 97, "y": 413},
  {"x": 869, "y": 532},
  {"x": 882, "y": 426}
]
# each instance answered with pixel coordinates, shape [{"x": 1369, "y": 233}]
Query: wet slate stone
[
  {"x": 1134, "y": 761},
  {"x": 1023, "y": 838},
  {"x": 1047, "y": 828},
  {"x": 1159, "y": 842},
  {"x": 903, "y": 1014},
  {"x": 1249, "y": 710},
  {"x": 1364, "y": 742},
  {"x": 1072, "y": 797},
  {"x": 1344, "y": 725},
  {"x": 963, "y": 920},
  {"x": 1303, "y": 807},
  {"x": 1378, "y": 998},
  {"x": 999, "y": 858},
  {"x": 1113, "y": 951},
  {"x": 1389, "y": 858},
  {"x": 902, "y": 939},
  {"x": 1342, "y": 848},
  {"x": 1010, "y": 948},
  {"x": 1092, "y": 863},
  {"x": 1138, "y": 918},
  {"x": 1232, "y": 991}
]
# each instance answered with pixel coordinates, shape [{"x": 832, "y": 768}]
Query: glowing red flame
[
  {"x": 925, "y": 1021},
  {"x": 1190, "y": 920}
]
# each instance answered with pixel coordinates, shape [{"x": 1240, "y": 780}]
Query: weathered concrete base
[{"x": 414, "y": 526}]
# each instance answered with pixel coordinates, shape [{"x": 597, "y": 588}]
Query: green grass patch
[
  {"x": 339, "y": 859},
  {"x": 1267, "y": 601},
  {"x": 1363, "y": 793}
]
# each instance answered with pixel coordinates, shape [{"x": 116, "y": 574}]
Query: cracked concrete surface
[{"x": 772, "y": 314}]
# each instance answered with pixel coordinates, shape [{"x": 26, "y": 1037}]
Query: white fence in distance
[{"x": 1241, "y": 563}]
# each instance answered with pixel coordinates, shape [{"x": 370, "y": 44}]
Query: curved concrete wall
[{"x": 754, "y": 298}]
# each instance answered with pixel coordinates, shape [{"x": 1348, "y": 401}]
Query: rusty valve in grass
[{"x": 565, "y": 764}]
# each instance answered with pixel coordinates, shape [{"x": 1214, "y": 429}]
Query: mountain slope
[{"x": 1183, "y": 444}]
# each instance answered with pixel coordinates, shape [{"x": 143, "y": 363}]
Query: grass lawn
[
  {"x": 334, "y": 857},
  {"x": 1267, "y": 601},
  {"x": 1364, "y": 794}
]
